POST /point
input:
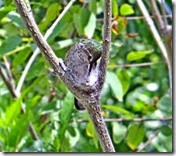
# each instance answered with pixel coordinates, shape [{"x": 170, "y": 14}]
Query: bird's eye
[{"x": 90, "y": 57}]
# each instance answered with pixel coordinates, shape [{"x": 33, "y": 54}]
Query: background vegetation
[{"x": 135, "y": 100}]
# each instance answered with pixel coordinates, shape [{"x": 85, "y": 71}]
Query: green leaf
[
  {"x": 119, "y": 111},
  {"x": 12, "y": 111},
  {"x": 77, "y": 19},
  {"x": 90, "y": 131},
  {"x": 122, "y": 24},
  {"x": 5, "y": 10},
  {"x": 90, "y": 27},
  {"x": 8, "y": 2},
  {"x": 126, "y": 9},
  {"x": 65, "y": 145},
  {"x": 9, "y": 44},
  {"x": 166, "y": 130},
  {"x": 51, "y": 14},
  {"x": 125, "y": 80},
  {"x": 119, "y": 132},
  {"x": 65, "y": 115},
  {"x": 115, "y": 84},
  {"x": 114, "y": 8},
  {"x": 64, "y": 43},
  {"x": 93, "y": 6},
  {"x": 67, "y": 108},
  {"x": 135, "y": 135},
  {"x": 22, "y": 56},
  {"x": 13, "y": 139},
  {"x": 165, "y": 105},
  {"x": 136, "y": 55},
  {"x": 36, "y": 70}
]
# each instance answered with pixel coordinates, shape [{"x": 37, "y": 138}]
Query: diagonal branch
[
  {"x": 37, "y": 51},
  {"x": 27, "y": 16}
]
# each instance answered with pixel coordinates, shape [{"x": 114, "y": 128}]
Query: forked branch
[{"x": 90, "y": 100}]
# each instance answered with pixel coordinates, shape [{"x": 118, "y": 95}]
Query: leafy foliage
[{"x": 128, "y": 93}]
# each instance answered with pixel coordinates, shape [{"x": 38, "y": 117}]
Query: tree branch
[
  {"x": 106, "y": 42},
  {"x": 90, "y": 98},
  {"x": 135, "y": 18},
  {"x": 7, "y": 82},
  {"x": 37, "y": 51},
  {"x": 131, "y": 120},
  {"x": 135, "y": 65}
]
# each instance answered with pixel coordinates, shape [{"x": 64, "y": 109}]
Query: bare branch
[
  {"x": 106, "y": 42},
  {"x": 135, "y": 65},
  {"x": 7, "y": 82},
  {"x": 131, "y": 120},
  {"x": 135, "y": 18},
  {"x": 98, "y": 121}
]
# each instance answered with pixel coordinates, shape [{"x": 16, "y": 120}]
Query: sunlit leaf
[
  {"x": 135, "y": 135},
  {"x": 90, "y": 131},
  {"x": 114, "y": 8},
  {"x": 90, "y": 27},
  {"x": 126, "y": 9},
  {"x": 12, "y": 111},
  {"x": 119, "y": 132},
  {"x": 13, "y": 139},
  {"x": 136, "y": 55},
  {"x": 115, "y": 84},
  {"x": 5, "y": 10},
  {"x": 125, "y": 80},
  {"x": 64, "y": 43},
  {"x": 119, "y": 110}
]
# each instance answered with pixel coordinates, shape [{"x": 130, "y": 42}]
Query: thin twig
[
  {"x": 7, "y": 82},
  {"x": 148, "y": 141},
  {"x": 37, "y": 51},
  {"x": 130, "y": 120},
  {"x": 135, "y": 18},
  {"x": 135, "y": 65}
]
